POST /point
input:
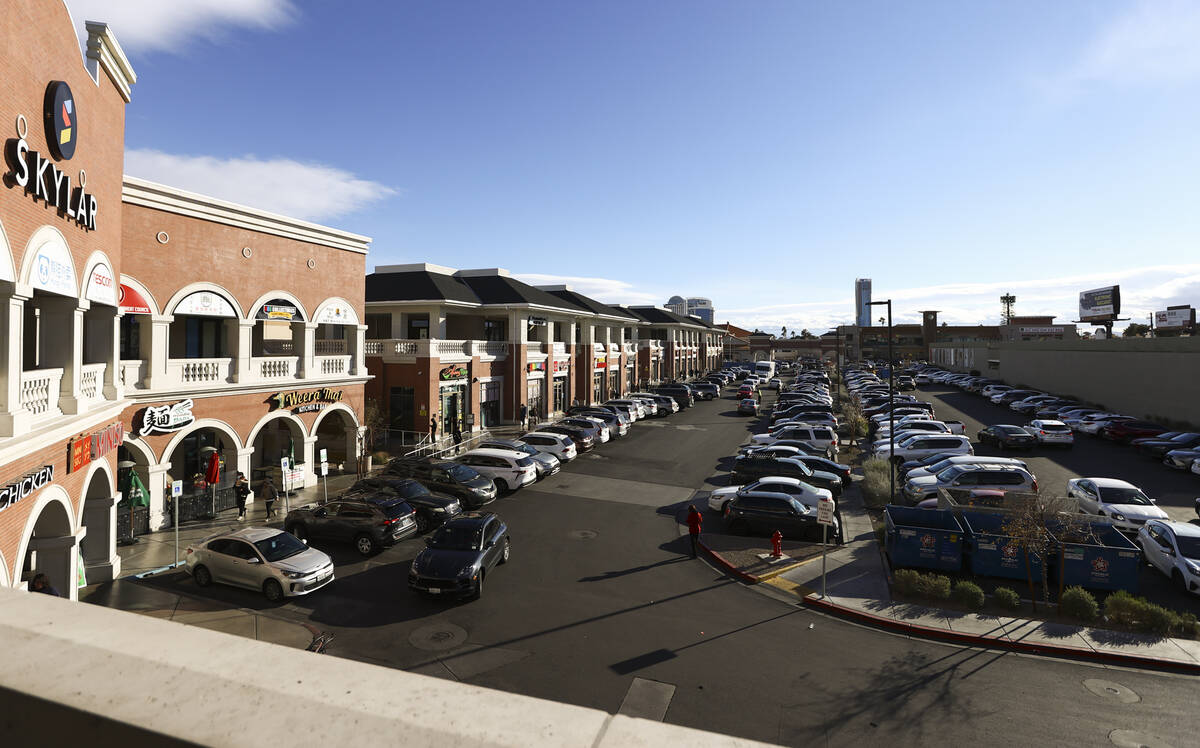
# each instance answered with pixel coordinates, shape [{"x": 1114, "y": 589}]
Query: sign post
[
  {"x": 325, "y": 473},
  {"x": 176, "y": 495},
  {"x": 825, "y": 519},
  {"x": 285, "y": 468}
]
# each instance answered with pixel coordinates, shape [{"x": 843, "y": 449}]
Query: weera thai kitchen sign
[{"x": 306, "y": 402}]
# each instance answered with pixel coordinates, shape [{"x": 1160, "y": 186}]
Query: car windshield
[
  {"x": 397, "y": 508},
  {"x": 280, "y": 546},
  {"x": 1189, "y": 546},
  {"x": 412, "y": 490},
  {"x": 1008, "y": 430},
  {"x": 940, "y": 465},
  {"x": 1121, "y": 495},
  {"x": 462, "y": 473},
  {"x": 950, "y": 473},
  {"x": 451, "y": 538}
]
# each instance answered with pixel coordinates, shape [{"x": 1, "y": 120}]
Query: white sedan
[
  {"x": 1051, "y": 432},
  {"x": 1119, "y": 501},
  {"x": 1174, "y": 549},
  {"x": 803, "y": 492}
]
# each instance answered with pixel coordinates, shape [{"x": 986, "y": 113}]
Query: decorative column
[
  {"x": 61, "y": 347},
  {"x": 158, "y": 378},
  {"x": 114, "y": 388},
  {"x": 159, "y": 487},
  {"x": 102, "y": 563},
  {"x": 14, "y": 419},
  {"x": 240, "y": 334},
  {"x": 358, "y": 347},
  {"x": 310, "y": 461},
  {"x": 243, "y": 466},
  {"x": 304, "y": 340}
]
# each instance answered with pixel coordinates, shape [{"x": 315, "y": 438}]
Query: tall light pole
[{"x": 891, "y": 402}]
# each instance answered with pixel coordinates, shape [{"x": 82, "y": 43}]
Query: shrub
[
  {"x": 1079, "y": 604},
  {"x": 935, "y": 586},
  {"x": 876, "y": 482},
  {"x": 1122, "y": 608},
  {"x": 1158, "y": 619},
  {"x": 969, "y": 595},
  {"x": 1007, "y": 598},
  {"x": 906, "y": 581}
]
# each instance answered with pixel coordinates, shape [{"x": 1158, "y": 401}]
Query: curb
[
  {"x": 955, "y": 637},
  {"x": 720, "y": 561}
]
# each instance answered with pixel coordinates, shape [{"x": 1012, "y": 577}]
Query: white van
[
  {"x": 558, "y": 445},
  {"x": 507, "y": 468}
]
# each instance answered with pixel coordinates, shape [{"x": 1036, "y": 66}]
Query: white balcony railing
[
  {"x": 332, "y": 366},
  {"x": 133, "y": 373},
  {"x": 559, "y": 348},
  {"x": 275, "y": 367},
  {"x": 630, "y": 349},
  {"x": 491, "y": 349},
  {"x": 447, "y": 349},
  {"x": 330, "y": 348},
  {"x": 40, "y": 390},
  {"x": 188, "y": 371},
  {"x": 91, "y": 381}
]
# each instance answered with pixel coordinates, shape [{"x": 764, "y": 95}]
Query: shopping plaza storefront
[{"x": 154, "y": 337}]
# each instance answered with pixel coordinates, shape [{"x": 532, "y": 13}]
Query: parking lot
[{"x": 1090, "y": 456}]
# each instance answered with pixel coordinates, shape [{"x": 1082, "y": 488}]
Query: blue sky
[{"x": 763, "y": 154}]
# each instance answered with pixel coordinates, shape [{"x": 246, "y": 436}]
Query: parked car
[
  {"x": 1174, "y": 549},
  {"x": 460, "y": 481},
  {"x": 679, "y": 394},
  {"x": 555, "y": 444},
  {"x": 819, "y": 436},
  {"x": 1124, "y": 431},
  {"x": 763, "y": 514},
  {"x": 938, "y": 466},
  {"x": 754, "y": 466},
  {"x": 584, "y": 441},
  {"x": 666, "y": 404},
  {"x": 635, "y": 408},
  {"x": 594, "y": 428},
  {"x": 459, "y": 556},
  {"x": 774, "y": 383},
  {"x": 1181, "y": 459},
  {"x": 774, "y": 484},
  {"x": 649, "y": 404},
  {"x": 706, "y": 390},
  {"x": 546, "y": 464},
  {"x": 1051, "y": 432},
  {"x": 1121, "y": 502},
  {"x": 432, "y": 509},
  {"x": 508, "y": 469},
  {"x": 970, "y": 477},
  {"x": 1158, "y": 447},
  {"x": 748, "y": 406},
  {"x": 272, "y": 561},
  {"x": 905, "y": 383},
  {"x": 1093, "y": 424},
  {"x": 622, "y": 414},
  {"x": 1007, "y": 436},
  {"x": 368, "y": 524},
  {"x": 802, "y": 447},
  {"x": 616, "y": 426},
  {"x": 922, "y": 445}
]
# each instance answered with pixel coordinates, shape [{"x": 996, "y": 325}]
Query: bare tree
[{"x": 1038, "y": 525}]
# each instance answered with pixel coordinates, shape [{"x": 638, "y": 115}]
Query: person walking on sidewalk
[
  {"x": 694, "y": 521},
  {"x": 433, "y": 429},
  {"x": 241, "y": 490},
  {"x": 269, "y": 493},
  {"x": 524, "y": 417}
]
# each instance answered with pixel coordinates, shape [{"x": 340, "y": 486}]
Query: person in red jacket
[{"x": 695, "y": 520}]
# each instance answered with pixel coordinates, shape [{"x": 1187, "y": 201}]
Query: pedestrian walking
[
  {"x": 41, "y": 584},
  {"x": 269, "y": 494},
  {"x": 694, "y": 521},
  {"x": 758, "y": 394},
  {"x": 524, "y": 417},
  {"x": 241, "y": 490},
  {"x": 457, "y": 435},
  {"x": 433, "y": 428}
]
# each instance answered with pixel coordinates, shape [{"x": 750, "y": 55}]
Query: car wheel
[
  {"x": 422, "y": 523},
  {"x": 202, "y": 576},
  {"x": 1177, "y": 580},
  {"x": 273, "y": 590},
  {"x": 501, "y": 486},
  {"x": 365, "y": 544},
  {"x": 299, "y": 531},
  {"x": 504, "y": 552}
]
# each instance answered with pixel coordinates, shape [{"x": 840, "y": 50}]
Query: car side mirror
[{"x": 254, "y": 560}]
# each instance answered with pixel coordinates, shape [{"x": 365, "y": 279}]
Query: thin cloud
[
  {"x": 312, "y": 192},
  {"x": 1152, "y": 42},
  {"x": 168, "y": 25},
  {"x": 605, "y": 290}
]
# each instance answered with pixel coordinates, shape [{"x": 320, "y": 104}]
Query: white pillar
[
  {"x": 310, "y": 461},
  {"x": 241, "y": 334},
  {"x": 358, "y": 340},
  {"x": 160, "y": 350},
  {"x": 13, "y": 418},
  {"x": 113, "y": 387},
  {"x": 100, "y": 521},
  {"x": 58, "y": 559},
  {"x": 158, "y": 488},
  {"x": 61, "y": 346},
  {"x": 243, "y": 466}
]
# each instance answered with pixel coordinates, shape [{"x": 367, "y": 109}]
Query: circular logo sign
[{"x": 62, "y": 120}]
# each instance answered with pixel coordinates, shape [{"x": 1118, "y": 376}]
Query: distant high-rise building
[
  {"x": 696, "y": 305},
  {"x": 862, "y": 302}
]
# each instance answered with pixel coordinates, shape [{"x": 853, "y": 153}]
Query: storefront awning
[
  {"x": 131, "y": 301},
  {"x": 205, "y": 304},
  {"x": 279, "y": 309}
]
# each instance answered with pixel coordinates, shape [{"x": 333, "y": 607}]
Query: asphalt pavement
[{"x": 601, "y": 606}]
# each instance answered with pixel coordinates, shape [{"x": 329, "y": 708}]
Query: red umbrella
[{"x": 213, "y": 473}]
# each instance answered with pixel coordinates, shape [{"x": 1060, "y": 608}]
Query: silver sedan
[{"x": 259, "y": 558}]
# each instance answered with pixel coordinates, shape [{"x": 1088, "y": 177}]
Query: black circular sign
[{"x": 62, "y": 120}]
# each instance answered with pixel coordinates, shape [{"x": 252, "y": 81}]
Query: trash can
[
  {"x": 923, "y": 538},
  {"x": 991, "y": 553},
  {"x": 1107, "y": 561}
]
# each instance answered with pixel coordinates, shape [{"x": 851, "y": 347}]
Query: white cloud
[
  {"x": 1154, "y": 41},
  {"x": 604, "y": 290},
  {"x": 143, "y": 25},
  {"x": 312, "y": 192}
]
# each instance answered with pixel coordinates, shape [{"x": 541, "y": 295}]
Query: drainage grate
[{"x": 438, "y": 637}]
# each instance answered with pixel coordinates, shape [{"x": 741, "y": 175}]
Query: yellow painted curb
[
  {"x": 790, "y": 587},
  {"x": 776, "y": 572}
]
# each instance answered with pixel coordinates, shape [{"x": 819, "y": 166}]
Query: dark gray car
[{"x": 460, "y": 555}]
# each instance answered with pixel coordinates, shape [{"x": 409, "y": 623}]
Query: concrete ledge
[{"x": 73, "y": 669}]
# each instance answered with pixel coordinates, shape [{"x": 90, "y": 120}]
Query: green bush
[
  {"x": 906, "y": 581},
  {"x": 1159, "y": 620},
  {"x": 912, "y": 583},
  {"x": 935, "y": 586},
  {"x": 1140, "y": 614},
  {"x": 876, "y": 483},
  {"x": 1079, "y": 604},
  {"x": 969, "y": 595},
  {"x": 1007, "y": 598},
  {"x": 1123, "y": 608}
]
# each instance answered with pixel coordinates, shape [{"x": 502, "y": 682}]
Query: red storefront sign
[{"x": 84, "y": 449}]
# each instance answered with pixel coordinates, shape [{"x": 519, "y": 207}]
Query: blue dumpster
[
  {"x": 923, "y": 538},
  {"x": 991, "y": 553},
  {"x": 1109, "y": 561}
]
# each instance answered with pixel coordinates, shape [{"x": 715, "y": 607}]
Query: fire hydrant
[{"x": 777, "y": 544}]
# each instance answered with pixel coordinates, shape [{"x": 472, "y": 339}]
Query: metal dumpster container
[
  {"x": 1108, "y": 562},
  {"x": 991, "y": 553},
  {"x": 923, "y": 538}
]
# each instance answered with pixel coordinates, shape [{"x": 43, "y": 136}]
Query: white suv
[
  {"x": 1051, "y": 432},
  {"x": 1174, "y": 549},
  {"x": 974, "y": 477},
  {"x": 553, "y": 444},
  {"x": 822, "y": 437},
  {"x": 507, "y": 468},
  {"x": 920, "y": 445}
]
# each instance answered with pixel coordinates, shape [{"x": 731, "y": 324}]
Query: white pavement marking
[
  {"x": 616, "y": 489},
  {"x": 690, "y": 427},
  {"x": 647, "y": 699}
]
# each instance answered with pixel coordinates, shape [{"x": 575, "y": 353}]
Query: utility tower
[{"x": 1007, "y": 301}]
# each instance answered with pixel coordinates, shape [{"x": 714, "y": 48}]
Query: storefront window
[
  {"x": 204, "y": 337},
  {"x": 379, "y": 326},
  {"x": 495, "y": 330},
  {"x": 534, "y": 398},
  {"x": 418, "y": 326},
  {"x": 598, "y": 387},
  {"x": 453, "y": 407},
  {"x": 131, "y": 347},
  {"x": 560, "y": 393},
  {"x": 614, "y": 383},
  {"x": 489, "y": 406}
]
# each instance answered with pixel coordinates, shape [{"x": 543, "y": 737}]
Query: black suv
[
  {"x": 460, "y": 555},
  {"x": 763, "y": 515},
  {"x": 707, "y": 390},
  {"x": 459, "y": 481},
  {"x": 432, "y": 509},
  {"x": 676, "y": 392},
  {"x": 751, "y": 467},
  {"x": 368, "y": 524}
]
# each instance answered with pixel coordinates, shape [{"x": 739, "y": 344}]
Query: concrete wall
[{"x": 1154, "y": 378}]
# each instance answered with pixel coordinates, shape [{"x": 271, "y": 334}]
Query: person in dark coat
[
  {"x": 241, "y": 490},
  {"x": 41, "y": 584},
  {"x": 524, "y": 417},
  {"x": 433, "y": 429},
  {"x": 269, "y": 494},
  {"x": 694, "y": 521}
]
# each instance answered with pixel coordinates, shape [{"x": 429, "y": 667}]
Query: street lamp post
[{"x": 891, "y": 402}]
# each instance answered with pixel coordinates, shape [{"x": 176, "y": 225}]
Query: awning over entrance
[{"x": 131, "y": 301}]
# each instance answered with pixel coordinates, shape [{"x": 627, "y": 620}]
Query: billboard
[
  {"x": 1175, "y": 317},
  {"x": 1100, "y": 304}
]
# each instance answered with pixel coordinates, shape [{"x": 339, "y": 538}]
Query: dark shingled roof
[
  {"x": 418, "y": 285},
  {"x": 590, "y": 305},
  {"x": 499, "y": 289},
  {"x": 662, "y": 316}
]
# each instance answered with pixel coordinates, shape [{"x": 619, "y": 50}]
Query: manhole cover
[
  {"x": 1135, "y": 739},
  {"x": 1111, "y": 690},
  {"x": 582, "y": 534},
  {"x": 437, "y": 637}
]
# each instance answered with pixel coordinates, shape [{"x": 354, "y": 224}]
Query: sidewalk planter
[
  {"x": 991, "y": 553},
  {"x": 923, "y": 538},
  {"x": 1112, "y": 563}
]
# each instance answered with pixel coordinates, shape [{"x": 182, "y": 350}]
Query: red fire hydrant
[{"x": 777, "y": 544}]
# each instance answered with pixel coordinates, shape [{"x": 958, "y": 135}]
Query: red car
[
  {"x": 745, "y": 391},
  {"x": 1126, "y": 431}
]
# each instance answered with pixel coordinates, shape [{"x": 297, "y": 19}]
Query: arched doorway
[
  {"x": 337, "y": 433},
  {"x": 51, "y": 547},
  {"x": 98, "y": 546},
  {"x": 277, "y": 437},
  {"x": 188, "y": 461}
]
